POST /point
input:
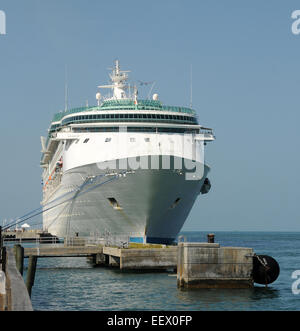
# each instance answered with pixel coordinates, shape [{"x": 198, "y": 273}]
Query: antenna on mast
[
  {"x": 66, "y": 88},
  {"x": 191, "y": 100}
]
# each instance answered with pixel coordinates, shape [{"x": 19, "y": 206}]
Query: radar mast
[{"x": 119, "y": 82}]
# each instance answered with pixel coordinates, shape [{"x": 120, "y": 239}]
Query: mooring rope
[{"x": 38, "y": 211}]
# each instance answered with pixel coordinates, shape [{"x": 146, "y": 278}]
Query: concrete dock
[
  {"x": 123, "y": 258},
  {"x": 198, "y": 265},
  {"x": 142, "y": 258},
  {"x": 14, "y": 295},
  {"x": 80, "y": 251},
  {"x": 207, "y": 265}
]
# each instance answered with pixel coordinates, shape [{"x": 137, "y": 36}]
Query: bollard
[
  {"x": 210, "y": 238},
  {"x": 19, "y": 253},
  {"x": 31, "y": 273}
]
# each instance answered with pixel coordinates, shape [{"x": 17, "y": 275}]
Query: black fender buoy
[
  {"x": 206, "y": 186},
  {"x": 265, "y": 269}
]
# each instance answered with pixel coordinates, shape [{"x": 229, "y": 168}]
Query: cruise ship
[{"x": 126, "y": 167}]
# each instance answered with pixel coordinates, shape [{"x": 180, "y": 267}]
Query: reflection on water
[{"x": 225, "y": 299}]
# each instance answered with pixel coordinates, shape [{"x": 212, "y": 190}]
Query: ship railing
[{"x": 207, "y": 131}]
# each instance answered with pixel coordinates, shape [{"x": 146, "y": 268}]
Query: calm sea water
[{"x": 63, "y": 284}]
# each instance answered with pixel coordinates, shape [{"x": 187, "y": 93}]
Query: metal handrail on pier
[{"x": 120, "y": 241}]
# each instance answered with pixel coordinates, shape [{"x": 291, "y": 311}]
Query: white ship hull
[{"x": 149, "y": 204}]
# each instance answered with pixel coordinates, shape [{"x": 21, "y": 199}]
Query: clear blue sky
[{"x": 246, "y": 77}]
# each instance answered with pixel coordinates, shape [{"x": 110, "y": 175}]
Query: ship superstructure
[{"x": 127, "y": 166}]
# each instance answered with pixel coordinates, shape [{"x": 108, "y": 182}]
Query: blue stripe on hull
[{"x": 139, "y": 240}]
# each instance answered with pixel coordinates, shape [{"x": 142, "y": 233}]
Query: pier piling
[
  {"x": 32, "y": 262},
  {"x": 3, "y": 258},
  {"x": 19, "y": 254}
]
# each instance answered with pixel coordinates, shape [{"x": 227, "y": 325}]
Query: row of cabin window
[
  {"x": 125, "y": 117},
  {"x": 138, "y": 129}
]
